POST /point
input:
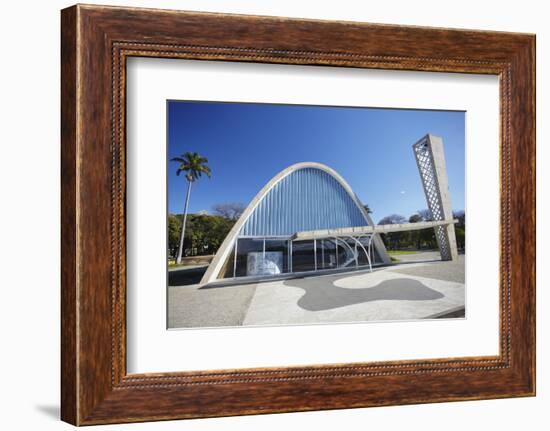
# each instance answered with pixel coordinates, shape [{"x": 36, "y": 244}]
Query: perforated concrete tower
[{"x": 430, "y": 159}]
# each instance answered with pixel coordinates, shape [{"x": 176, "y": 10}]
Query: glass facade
[
  {"x": 281, "y": 247},
  {"x": 258, "y": 257},
  {"x": 326, "y": 254},
  {"x": 244, "y": 247},
  {"x": 303, "y": 256}
]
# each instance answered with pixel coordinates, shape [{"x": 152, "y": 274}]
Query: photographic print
[{"x": 298, "y": 214}]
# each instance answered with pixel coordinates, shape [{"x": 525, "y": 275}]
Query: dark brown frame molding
[{"x": 95, "y": 43}]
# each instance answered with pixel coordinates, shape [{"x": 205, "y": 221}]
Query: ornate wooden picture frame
[{"x": 96, "y": 41}]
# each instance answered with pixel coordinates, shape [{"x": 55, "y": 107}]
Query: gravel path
[
  {"x": 190, "y": 306},
  {"x": 447, "y": 271}
]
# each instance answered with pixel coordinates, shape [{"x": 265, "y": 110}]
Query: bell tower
[{"x": 430, "y": 159}]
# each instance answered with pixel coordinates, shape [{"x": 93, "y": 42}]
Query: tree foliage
[
  {"x": 460, "y": 228},
  {"x": 393, "y": 219},
  {"x": 395, "y": 240},
  {"x": 193, "y": 164},
  {"x": 229, "y": 210},
  {"x": 203, "y": 233},
  {"x": 425, "y": 214},
  {"x": 461, "y": 217},
  {"x": 423, "y": 239}
]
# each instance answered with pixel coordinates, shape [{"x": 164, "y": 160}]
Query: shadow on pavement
[
  {"x": 320, "y": 297},
  {"x": 185, "y": 276}
]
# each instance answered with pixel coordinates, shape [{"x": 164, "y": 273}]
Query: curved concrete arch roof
[
  {"x": 304, "y": 196},
  {"x": 308, "y": 197}
]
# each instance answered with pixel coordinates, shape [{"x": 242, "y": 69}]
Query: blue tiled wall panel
[{"x": 306, "y": 199}]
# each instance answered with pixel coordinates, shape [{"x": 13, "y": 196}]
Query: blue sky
[{"x": 247, "y": 144}]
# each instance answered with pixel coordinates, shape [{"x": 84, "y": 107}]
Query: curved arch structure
[{"x": 303, "y": 197}]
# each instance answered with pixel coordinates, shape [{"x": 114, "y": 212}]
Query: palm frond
[
  {"x": 193, "y": 164},
  {"x": 207, "y": 171}
]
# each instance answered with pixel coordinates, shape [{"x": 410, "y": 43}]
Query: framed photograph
[{"x": 266, "y": 215}]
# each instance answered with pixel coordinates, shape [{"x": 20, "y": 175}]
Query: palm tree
[{"x": 194, "y": 165}]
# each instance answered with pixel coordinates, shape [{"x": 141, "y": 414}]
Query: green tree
[
  {"x": 460, "y": 228},
  {"x": 174, "y": 231},
  {"x": 415, "y": 235},
  {"x": 208, "y": 232},
  {"x": 426, "y": 214},
  {"x": 427, "y": 236},
  {"x": 461, "y": 217},
  {"x": 193, "y": 165},
  {"x": 460, "y": 237},
  {"x": 204, "y": 233},
  {"x": 229, "y": 210},
  {"x": 394, "y": 240}
]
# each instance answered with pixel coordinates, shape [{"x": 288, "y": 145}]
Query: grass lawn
[
  {"x": 191, "y": 261},
  {"x": 400, "y": 252}
]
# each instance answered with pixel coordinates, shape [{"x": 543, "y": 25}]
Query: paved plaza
[{"x": 419, "y": 286}]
